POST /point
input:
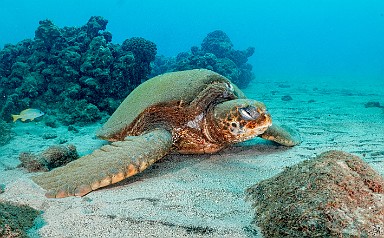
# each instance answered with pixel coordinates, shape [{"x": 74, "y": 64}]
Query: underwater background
[
  {"x": 295, "y": 39},
  {"x": 67, "y": 65}
]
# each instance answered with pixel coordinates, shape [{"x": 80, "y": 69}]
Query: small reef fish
[{"x": 29, "y": 113}]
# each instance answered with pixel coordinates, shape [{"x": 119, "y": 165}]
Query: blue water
[{"x": 293, "y": 39}]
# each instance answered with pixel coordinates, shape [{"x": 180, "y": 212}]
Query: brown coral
[{"x": 333, "y": 195}]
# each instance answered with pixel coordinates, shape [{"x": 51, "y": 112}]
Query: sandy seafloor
[{"x": 203, "y": 196}]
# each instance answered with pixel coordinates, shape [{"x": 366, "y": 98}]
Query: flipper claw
[{"x": 82, "y": 190}]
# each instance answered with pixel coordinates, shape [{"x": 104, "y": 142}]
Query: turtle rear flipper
[
  {"x": 107, "y": 165},
  {"x": 282, "y": 135}
]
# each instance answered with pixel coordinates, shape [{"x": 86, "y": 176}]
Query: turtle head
[{"x": 238, "y": 120}]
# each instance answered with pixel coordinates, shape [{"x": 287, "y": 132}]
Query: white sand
[{"x": 203, "y": 196}]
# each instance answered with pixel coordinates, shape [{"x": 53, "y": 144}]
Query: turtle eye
[
  {"x": 249, "y": 113},
  {"x": 229, "y": 85}
]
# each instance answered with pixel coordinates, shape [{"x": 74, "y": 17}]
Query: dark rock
[
  {"x": 59, "y": 155},
  {"x": 373, "y": 104},
  {"x": 274, "y": 92},
  {"x": 286, "y": 98},
  {"x": 53, "y": 157},
  {"x": 32, "y": 163},
  {"x": 284, "y": 86},
  {"x": 48, "y": 136},
  {"x": 51, "y": 121},
  {"x": 72, "y": 128},
  {"x": 62, "y": 141},
  {"x": 334, "y": 195}
]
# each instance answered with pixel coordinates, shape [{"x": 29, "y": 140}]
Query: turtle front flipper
[
  {"x": 282, "y": 135},
  {"x": 107, "y": 165}
]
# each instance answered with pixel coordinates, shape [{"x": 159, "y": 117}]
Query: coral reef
[
  {"x": 5, "y": 132},
  {"x": 333, "y": 195},
  {"x": 15, "y": 219},
  {"x": 74, "y": 73},
  {"x": 144, "y": 53},
  {"x": 53, "y": 157},
  {"x": 217, "y": 43},
  {"x": 217, "y": 54}
]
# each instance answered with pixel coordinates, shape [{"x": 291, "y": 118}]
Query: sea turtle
[{"x": 191, "y": 112}]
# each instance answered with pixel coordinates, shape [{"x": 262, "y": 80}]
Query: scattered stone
[
  {"x": 378, "y": 153},
  {"x": 334, "y": 195},
  {"x": 72, "y": 128},
  {"x": 62, "y": 141},
  {"x": 286, "y": 98},
  {"x": 53, "y": 157},
  {"x": 284, "y": 86},
  {"x": 51, "y": 121},
  {"x": 2, "y": 188},
  {"x": 48, "y": 136},
  {"x": 373, "y": 104},
  {"x": 274, "y": 92}
]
